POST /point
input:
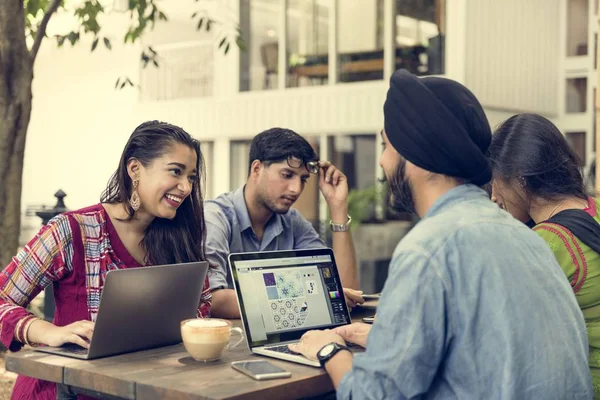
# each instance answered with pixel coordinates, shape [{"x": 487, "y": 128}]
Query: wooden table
[{"x": 170, "y": 373}]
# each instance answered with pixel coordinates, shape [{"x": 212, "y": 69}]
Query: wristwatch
[
  {"x": 341, "y": 227},
  {"x": 328, "y": 351}
]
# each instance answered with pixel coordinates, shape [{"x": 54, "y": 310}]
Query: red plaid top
[{"x": 73, "y": 252}]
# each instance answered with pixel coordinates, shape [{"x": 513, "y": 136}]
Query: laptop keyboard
[
  {"x": 283, "y": 349},
  {"x": 74, "y": 349}
]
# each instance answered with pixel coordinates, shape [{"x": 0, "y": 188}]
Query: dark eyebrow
[
  {"x": 291, "y": 171},
  {"x": 181, "y": 166},
  {"x": 177, "y": 165}
]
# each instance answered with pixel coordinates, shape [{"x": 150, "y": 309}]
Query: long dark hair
[
  {"x": 166, "y": 241},
  {"x": 531, "y": 149}
]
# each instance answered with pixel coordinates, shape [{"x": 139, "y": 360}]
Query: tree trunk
[{"x": 16, "y": 76}]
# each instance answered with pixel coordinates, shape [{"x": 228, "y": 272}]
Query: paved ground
[{"x": 7, "y": 380}]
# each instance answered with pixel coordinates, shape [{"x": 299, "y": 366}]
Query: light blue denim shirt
[
  {"x": 475, "y": 307},
  {"x": 229, "y": 230}
]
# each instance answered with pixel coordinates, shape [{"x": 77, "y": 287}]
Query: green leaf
[
  {"x": 241, "y": 43},
  {"x": 209, "y": 24},
  {"x": 222, "y": 42},
  {"x": 155, "y": 63},
  {"x": 227, "y": 48},
  {"x": 107, "y": 43},
  {"x": 117, "y": 83},
  {"x": 200, "y": 22},
  {"x": 95, "y": 44},
  {"x": 162, "y": 17},
  {"x": 151, "y": 50},
  {"x": 194, "y": 14},
  {"x": 60, "y": 40},
  {"x": 73, "y": 37}
]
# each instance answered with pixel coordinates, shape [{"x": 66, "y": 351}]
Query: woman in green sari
[{"x": 537, "y": 177}]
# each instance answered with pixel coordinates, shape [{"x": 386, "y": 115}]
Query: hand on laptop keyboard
[{"x": 283, "y": 349}]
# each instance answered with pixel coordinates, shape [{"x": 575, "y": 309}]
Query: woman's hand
[{"x": 79, "y": 333}]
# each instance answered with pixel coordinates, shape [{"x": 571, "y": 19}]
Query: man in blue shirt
[
  {"x": 259, "y": 217},
  {"x": 475, "y": 305}
]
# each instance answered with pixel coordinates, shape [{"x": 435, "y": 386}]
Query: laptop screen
[{"x": 284, "y": 294}]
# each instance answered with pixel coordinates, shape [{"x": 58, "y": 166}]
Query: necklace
[{"x": 555, "y": 208}]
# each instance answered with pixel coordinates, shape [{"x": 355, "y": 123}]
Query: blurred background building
[{"x": 319, "y": 67}]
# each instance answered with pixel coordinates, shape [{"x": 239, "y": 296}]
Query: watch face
[{"x": 325, "y": 351}]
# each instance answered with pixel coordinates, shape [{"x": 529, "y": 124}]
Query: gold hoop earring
[{"x": 134, "y": 201}]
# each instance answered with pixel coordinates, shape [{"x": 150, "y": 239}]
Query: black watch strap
[{"x": 326, "y": 352}]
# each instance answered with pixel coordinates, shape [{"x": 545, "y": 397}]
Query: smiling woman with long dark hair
[
  {"x": 537, "y": 177},
  {"x": 151, "y": 213}
]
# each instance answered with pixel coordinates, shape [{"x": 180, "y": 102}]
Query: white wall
[{"x": 512, "y": 57}]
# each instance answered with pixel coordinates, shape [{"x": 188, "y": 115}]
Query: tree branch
[{"x": 41, "y": 33}]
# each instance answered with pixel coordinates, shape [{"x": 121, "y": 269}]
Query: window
[
  {"x": 207, "y": 153},
  {"x": 259, "y": 20},
  {"x": 360, "y": 48},
  {"x": 307, "y": 42},
  {"x": 577, "y": 142},
  {"x": 239, "y": 154},
  {"x": 577, "y": 27},
  {"x": 576, "y": 101},
  {"x": 355, "y": 156},
  {"x": 420, "y": 36},
  {"x": 185, "y": 70}
]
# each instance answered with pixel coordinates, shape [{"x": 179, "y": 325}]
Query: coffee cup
[{"x": 206, "y": 338}]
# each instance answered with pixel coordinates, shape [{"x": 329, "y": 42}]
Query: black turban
[{"x": 438, "y": 125}]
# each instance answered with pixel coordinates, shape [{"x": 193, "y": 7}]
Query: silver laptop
[
  {"x": 141, "y": 308},
  {"x": 283, "y": 294}
]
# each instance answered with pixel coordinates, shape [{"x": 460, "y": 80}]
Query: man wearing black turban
[{"x": 475, "y": 305}]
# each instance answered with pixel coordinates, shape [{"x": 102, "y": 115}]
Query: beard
[
  {"x": 275, "y": 208},
  {"x": 401, "y": 197},
  {"x": 272, "y": 205}
]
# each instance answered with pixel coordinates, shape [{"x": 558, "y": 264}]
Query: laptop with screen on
[
  {"x": 283, "y": 294},
  {"x": 141, "y": 308}
]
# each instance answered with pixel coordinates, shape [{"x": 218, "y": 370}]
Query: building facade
[{"x": 319, "y": 67}]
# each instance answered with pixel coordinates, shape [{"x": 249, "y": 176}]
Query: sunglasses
[{"x": 311, "y": 166}]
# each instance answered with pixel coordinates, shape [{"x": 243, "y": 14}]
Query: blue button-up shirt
[
  {"x": 229, "y": 230},
  {"x": 475, "y": 307}
]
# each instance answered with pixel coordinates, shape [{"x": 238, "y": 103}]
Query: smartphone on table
[{"x": 260, "y": 369}]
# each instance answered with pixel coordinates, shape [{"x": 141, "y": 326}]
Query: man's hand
[
  {"x": 353, "y": 297},
  {"x": 356, "y": 333},
  {"x": 334, "y": 186},
  {"x": 313, "y": 341}
]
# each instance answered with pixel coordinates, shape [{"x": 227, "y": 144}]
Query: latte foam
[{"x": 205, "y": 323}]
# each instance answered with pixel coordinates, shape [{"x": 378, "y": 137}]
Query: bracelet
[
  {"x": 341, "y": 227},
  {"x": 26, "y": 331},
  {"x": 17, "y": 332}
]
